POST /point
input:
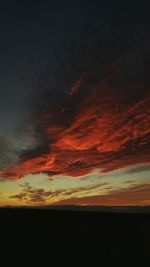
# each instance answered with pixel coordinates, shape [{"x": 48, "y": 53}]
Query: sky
[{"x": 74, "y": 103}]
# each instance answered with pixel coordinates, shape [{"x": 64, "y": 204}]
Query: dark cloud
[
  {"x": 130, "y": 182},
  {"x": 32, "y": 195},
  {"x": 8, "y": 155},
  {"x": 138, "y": 169},
  {"x": 2, "y": 180}
]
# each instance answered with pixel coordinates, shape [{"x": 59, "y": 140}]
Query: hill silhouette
[{"x": 51, "y": 237}]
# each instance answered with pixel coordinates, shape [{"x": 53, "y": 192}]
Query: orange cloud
[{"x": 105, "y": 127}]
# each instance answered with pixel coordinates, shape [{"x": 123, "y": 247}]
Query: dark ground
[{"x": 33, "y": 237}]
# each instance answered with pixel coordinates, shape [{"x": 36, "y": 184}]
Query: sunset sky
[{"x": 74, "y": 104}]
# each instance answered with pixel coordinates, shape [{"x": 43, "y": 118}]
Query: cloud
[
  {"x": 31, "y": 195},
  {"x": 40, "y": 196},
  {"x": 135, "y": 195},
  {"x": 138, "y": 169},
  {"x": 130, "y": 182},
  {"x": 2, "y": 180},
  {"x": 104, "y": 124},
  {"x": 8, "y": 155},
  {"x": 84, "y": 190}
]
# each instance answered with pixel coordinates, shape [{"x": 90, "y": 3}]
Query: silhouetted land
[{"x": 50, "y": 237}]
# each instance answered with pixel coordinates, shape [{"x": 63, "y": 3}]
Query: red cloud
[{"x": 109, "y": 129}]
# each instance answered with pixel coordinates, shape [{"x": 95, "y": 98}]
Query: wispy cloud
[
  {"x": 40, "y": 196},
  {"x": 131, "y": 196},
  {"x": 31, "y": 195}
]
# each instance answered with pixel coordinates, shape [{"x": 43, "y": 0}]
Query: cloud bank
[{"x": 101, "y": 123}]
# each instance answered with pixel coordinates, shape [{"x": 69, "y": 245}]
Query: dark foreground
[{"x": 33, "y": 237}]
